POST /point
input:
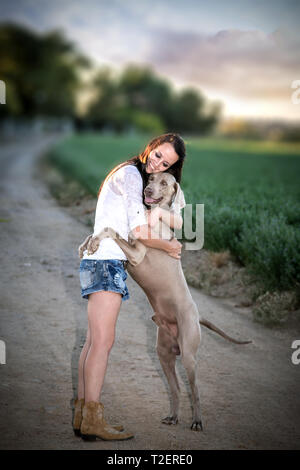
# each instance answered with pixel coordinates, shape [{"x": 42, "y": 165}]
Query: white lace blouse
[{"x": 119, "y": 206}]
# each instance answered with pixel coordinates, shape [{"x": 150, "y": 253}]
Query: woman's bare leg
[
  {"x": 81, "y": 363},
  {"x": 103, "y": 311}
]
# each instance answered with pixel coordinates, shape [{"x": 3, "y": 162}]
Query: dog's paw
[
  {"x": 93, "y": 245},
  {"x": 80, "y": 251},
  {"x": 170, "y": 420},
  {"x": 197, "y": 425},
  {"x": 83, "y": 246}
]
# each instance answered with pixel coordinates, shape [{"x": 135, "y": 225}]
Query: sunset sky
[{"x": 245, "y": 54}]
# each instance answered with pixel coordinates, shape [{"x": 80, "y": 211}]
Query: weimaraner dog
[{"x": 162, "y": 279}]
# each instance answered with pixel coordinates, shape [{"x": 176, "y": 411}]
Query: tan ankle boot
[
  {"x": 78, "y": 418},
  {"x": 94, "y": 426}
]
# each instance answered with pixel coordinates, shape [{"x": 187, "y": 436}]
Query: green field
[{"x": 250, "y": 191}]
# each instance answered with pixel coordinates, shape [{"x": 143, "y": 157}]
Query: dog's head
[{"x": 162, "y": 190}]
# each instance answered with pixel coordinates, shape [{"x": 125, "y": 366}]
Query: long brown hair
[{"x": 140, "y": 160}]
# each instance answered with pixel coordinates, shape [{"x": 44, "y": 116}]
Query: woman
[{"x": 102, "y": 275}]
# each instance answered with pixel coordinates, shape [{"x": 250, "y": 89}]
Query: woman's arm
[
  {"x": 150, "y": 239},
  {"x": 175, "y": 219},
  {"x": 170, "y": 218}
]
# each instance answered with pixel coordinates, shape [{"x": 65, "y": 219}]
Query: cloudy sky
[{"x": 245, "y": 53}]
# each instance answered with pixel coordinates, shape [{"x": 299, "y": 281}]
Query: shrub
[{"x": 270, "y": 249}]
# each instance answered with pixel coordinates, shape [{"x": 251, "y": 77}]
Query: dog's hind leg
[
  {"x": 189, "y": 344},
  {"x": 167, "y": 349}
]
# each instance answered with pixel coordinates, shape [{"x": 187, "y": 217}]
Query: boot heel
[
  {"x": 77, "y": 432},
  {"x": 88, "y": 437}
]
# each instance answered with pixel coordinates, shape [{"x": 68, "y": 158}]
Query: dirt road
[{"x": 250, "y": 394}]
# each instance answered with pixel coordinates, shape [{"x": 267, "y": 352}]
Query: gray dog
[{"x": 162, "y": 279}]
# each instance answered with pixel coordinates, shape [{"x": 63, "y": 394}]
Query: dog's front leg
[
  {"x": 134, "y": 250},
  {"x": 83, "y": 246},
  {"x": 94, "y": 241}
]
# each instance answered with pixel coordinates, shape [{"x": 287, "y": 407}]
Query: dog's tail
[{"x": 214, "y": 328}]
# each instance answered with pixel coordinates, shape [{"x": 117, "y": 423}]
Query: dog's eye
[{"x": 163, "y": 183}]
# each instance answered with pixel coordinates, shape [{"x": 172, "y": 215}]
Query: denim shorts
[{"x": 103, "y": 275}]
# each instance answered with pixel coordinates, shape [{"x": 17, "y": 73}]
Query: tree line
[{"x": 43, "y": 77}]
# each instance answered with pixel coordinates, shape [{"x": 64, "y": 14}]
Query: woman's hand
[
  {"x": 174, "y": 249},
  {"x": 153, "y": 216}
]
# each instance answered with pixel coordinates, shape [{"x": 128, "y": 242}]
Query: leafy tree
[
  {"x": 145, "y": 91},
  {"x": 108, "y": 108},
  {"x": 41, "y": 72},
  {"x": 190, "y": 113},
  {"x": 140, "y": 99}
]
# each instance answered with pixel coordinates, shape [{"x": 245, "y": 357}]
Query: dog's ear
[{"x": 178, "y": 201}]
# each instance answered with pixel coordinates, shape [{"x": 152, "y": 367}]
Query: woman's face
[{"x": 161, "y": 158}]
